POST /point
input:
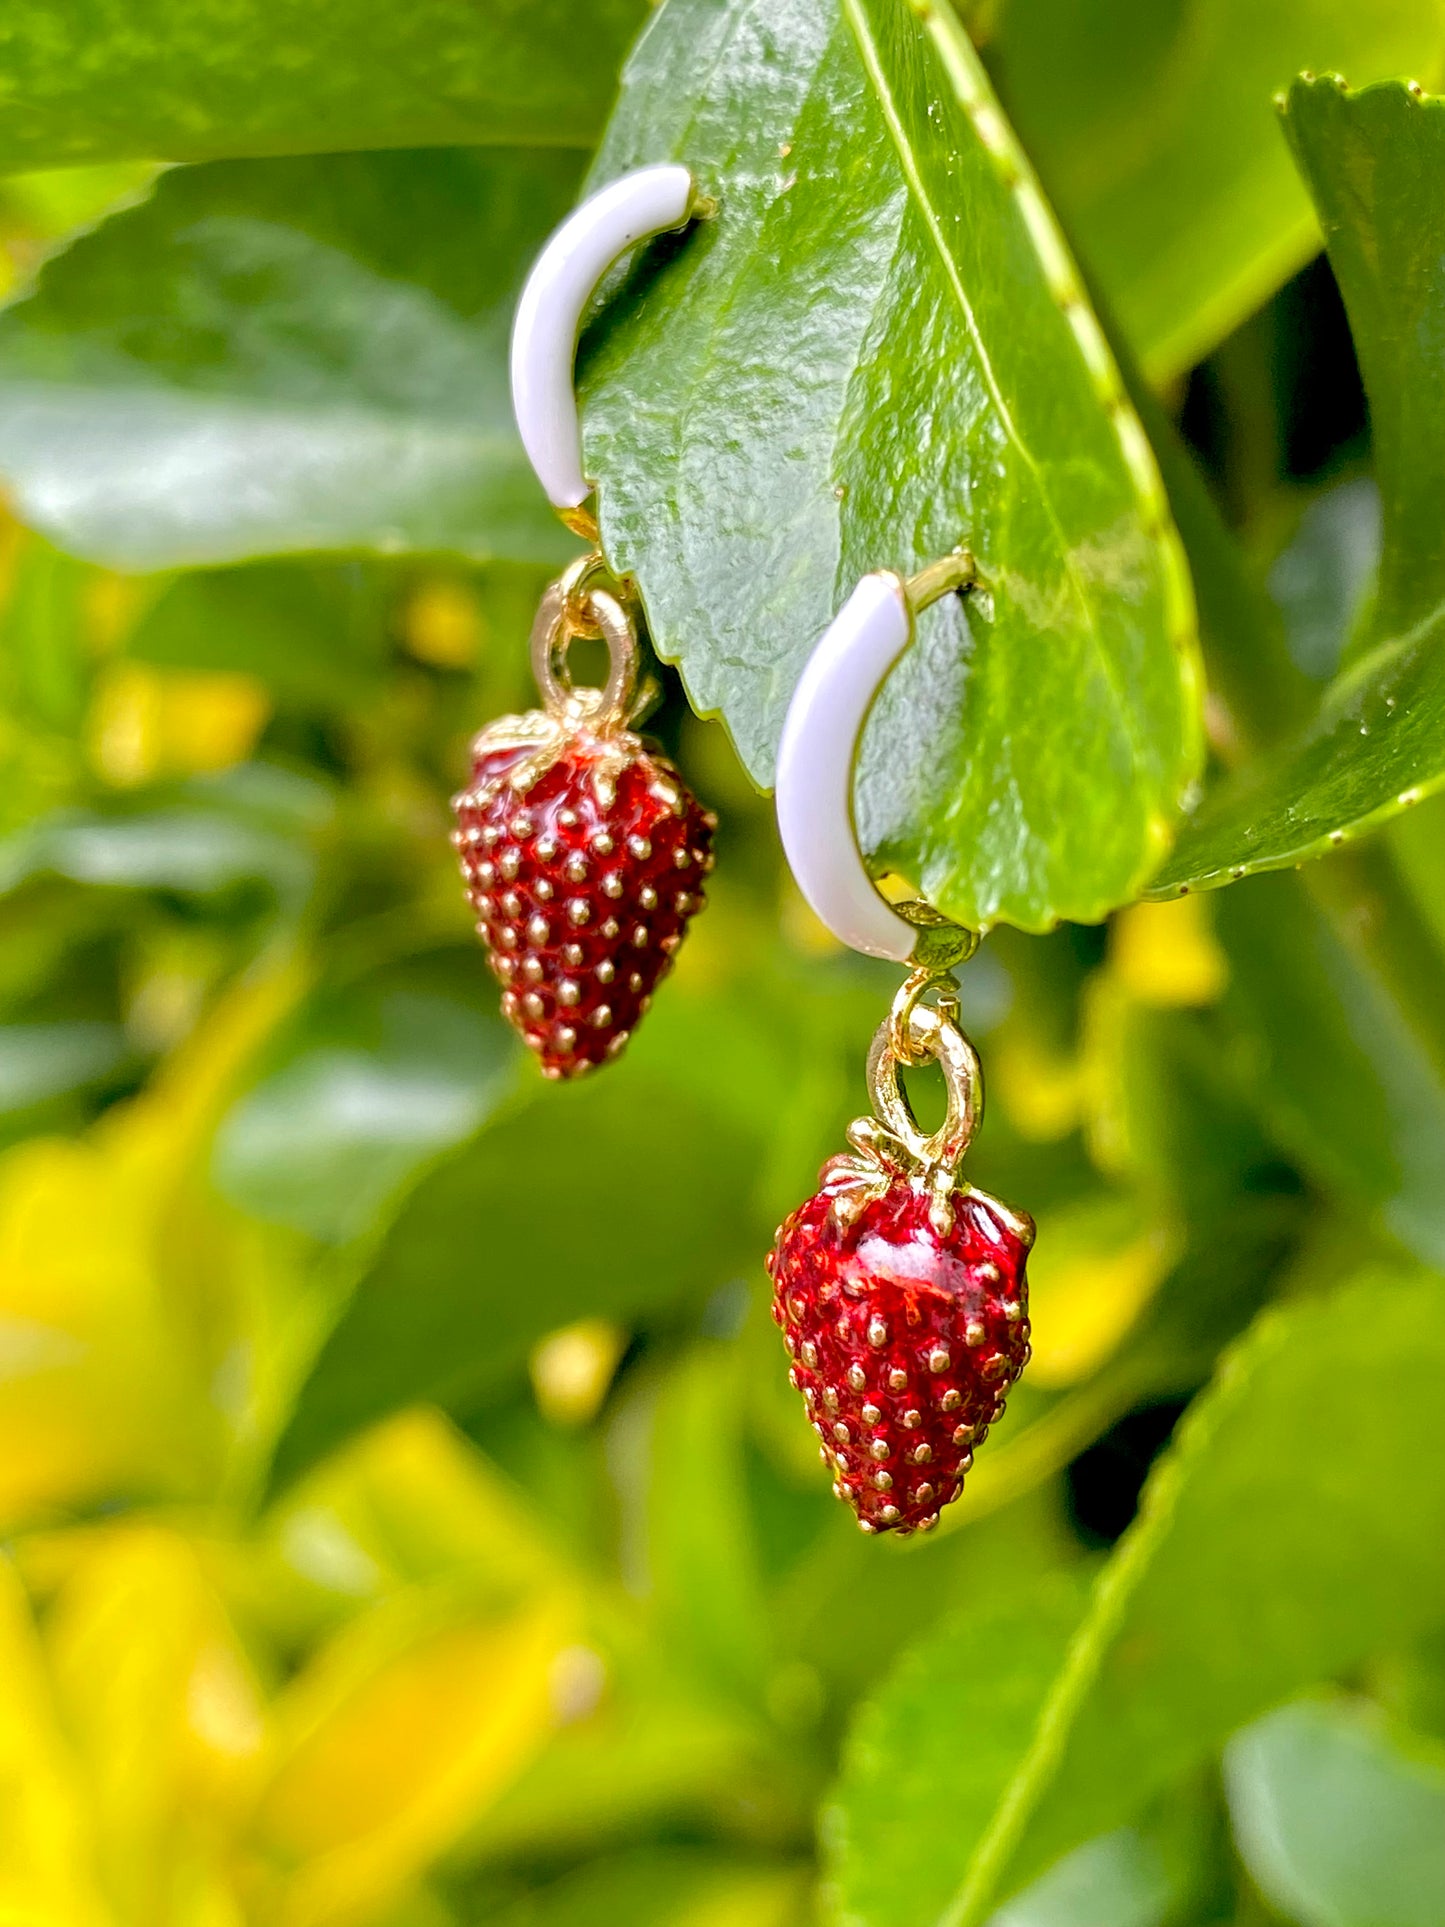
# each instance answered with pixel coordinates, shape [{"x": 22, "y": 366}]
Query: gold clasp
[{"x": 573, "y": 607}]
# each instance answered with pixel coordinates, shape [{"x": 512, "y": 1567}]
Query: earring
[
  {"x": 899, "y": 1287},
  {"x": 582, "y": 850}
]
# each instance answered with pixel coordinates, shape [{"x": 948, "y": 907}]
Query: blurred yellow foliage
[
  {"x": 1041, "y": 1091},
  {"x": 443, "y": 624},
  {"x": 147, "y": 723},
  {"x": 1095, "y": 1268},
  {"x": 572, "y": 1369},
  {"x": 1167, "y": 954}
]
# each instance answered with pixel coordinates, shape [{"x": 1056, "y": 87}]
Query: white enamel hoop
[
  {"x": 814, "y": 787},
  {"x": 549, "y": 314}
]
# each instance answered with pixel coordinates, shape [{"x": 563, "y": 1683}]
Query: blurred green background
[{"x": 407, "y": 1522}]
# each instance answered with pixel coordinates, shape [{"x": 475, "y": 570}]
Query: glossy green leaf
[
  {"x": 371, "y": 1089},
  {"x": 1375, "y": 747},
  {"x": 279, "y": 356},
  {"x": 176, "y": 80},
  {"x": 941, "y": 1742},
  {"x": 549, "y": 1215},
  {"x": 879, "y": 349},
  {"x": 1151, "y": 122},
  {"x": 1377, "y": 743},
  {"x": 1265, "y": 1557},
  {"x": 1338, "y": 1822}
]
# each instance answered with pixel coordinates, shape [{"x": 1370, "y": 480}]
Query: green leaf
[
  {"x": 1372, "y": 160},
  {"x": 193, "y": 850},
  {"x": 1338, "y": 1076},
  {"x": 38, "y": 1061},
  {"x": 1291, "y": 1530},
  {"x": 1121, "y": 1880},
  {"x": 1152, "y": 127},
  {"x": 938, "y": 1746},
  {"x": 1377, "y": 743},
  {"x": 553, "y": 1213},
  {"x": 1338, "y": 1823},
  {"x": 175, "y": 80},
  {"x": 372, "y": 1088},
  {"x": 701, "y": 1555},
  {"x": 879, "y": 349},
  {"x": 277, "y": 356},
  {"x": 313, "y": 633},
  {"x": 1375, "y": 747}
]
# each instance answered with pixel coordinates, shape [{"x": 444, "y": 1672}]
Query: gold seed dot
[
  {"x": 601, "y": 1017},
  {"x": 879, "y": 1449},
  {"x": 856, "y": 1378},
  {"x": 871, "y": 1413},
  {"x": 579, "y": 911},
  {"x": 938, "y": 1359},
  {"x": 883, "y": 1481}
]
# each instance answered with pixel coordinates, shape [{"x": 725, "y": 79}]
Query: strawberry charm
[
  {"x": 582, "y": 850},
  {"x": 900, "y": 1289}
]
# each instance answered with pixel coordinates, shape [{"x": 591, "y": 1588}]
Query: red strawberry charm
[
  {"x": 582, "y": 849},
  {"x": 901, "y": 1292}
]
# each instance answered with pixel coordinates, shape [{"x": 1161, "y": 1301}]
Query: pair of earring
[{"x": 899, "y": 1287}]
